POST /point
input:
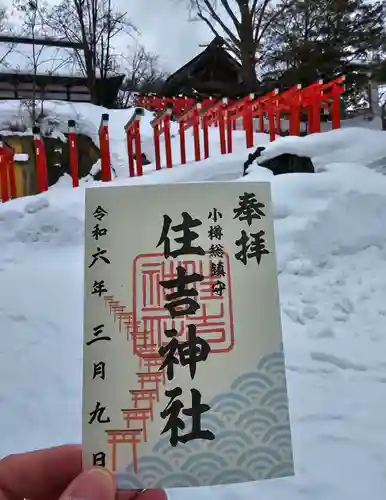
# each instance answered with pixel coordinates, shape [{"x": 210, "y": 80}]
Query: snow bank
[
  {"x": 331, "y": 247},
  {"x": 356, "y": 145}
]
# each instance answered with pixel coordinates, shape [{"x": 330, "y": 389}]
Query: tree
[
  {"x": 143, "y": 73},
  {"x": 95, "y": 24},
  {"x": 33, "y": 17},
  {"x": 4, "y": 27},
  {"x": 315, "y": 39},
  {"x": 242, "y": 24}
]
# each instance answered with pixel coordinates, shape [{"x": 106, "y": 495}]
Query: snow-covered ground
[{"x": 331, "y": 250}]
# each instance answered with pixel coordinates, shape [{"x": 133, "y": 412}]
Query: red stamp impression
[{"x": 214, "y": 320}]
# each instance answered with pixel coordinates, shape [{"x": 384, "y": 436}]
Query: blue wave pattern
[{"x": 253, "y": 438}]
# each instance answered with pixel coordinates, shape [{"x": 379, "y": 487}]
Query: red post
[
  {"x": 229, "y": 130},
  {"x": 294, "y": 120},
  {"x": 196, "y": 131},
  {"x": 168, "y": 143},
  {"x": 335, "y": 112},
  {"x": 3, "y": 174},
  {"x": 338, "y": 87},
  {"x": 205, "y": 132},
  {"x": 221, "y": 126},
  {"x": 73, "y": 153},
  {"x": 161, "y": 124},
  {"x": 248, "y": 121},
  {"x": 271, "y": 121},
  {"x": 157, "y": 149},
  {"x": 133, "y": 138},
  {"x": 138, "y": 147},
  {"x": 191, "y": 119},
  {"x": 105, "y": 148},
  {"x": 266, "y": 104},
  {"x": 311, "y": 99},
  {"x": 181, "y": 131},
  {"x": 41, "y": 161}
]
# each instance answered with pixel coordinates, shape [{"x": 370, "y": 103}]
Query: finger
[
  {"x": 142, "y": 495},
  {"x": 40, "y": 475},
  {"x": 94, "y": 484}
]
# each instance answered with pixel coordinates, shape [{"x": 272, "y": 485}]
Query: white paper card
[{"x": 184, "y": 377}]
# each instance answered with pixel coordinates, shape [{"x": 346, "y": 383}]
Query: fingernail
[{"x": 95, "y": 484}]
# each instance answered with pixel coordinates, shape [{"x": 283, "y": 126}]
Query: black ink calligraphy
[
  {"x": 251, "y": 247},
  {"x": 183, "y": 296},
  {"x": 191, "y": 352},
  {"x": 99, "y": 255},
  {"x": 249, "y": 208},
  {"x": 98, "y": 335},
  {"x": 186, "y": 239},
  {"x": 176, "y": 424},
  {"x": 97, "y": 414}
]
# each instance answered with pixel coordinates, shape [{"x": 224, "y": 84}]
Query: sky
[
  {"x": 166, "y": 30},
  {"x": 164, "y": 26}
]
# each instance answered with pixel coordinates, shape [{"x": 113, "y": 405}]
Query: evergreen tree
[{"x": 315, "y": 39}]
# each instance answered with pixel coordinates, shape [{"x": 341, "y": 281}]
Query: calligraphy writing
[
  {"x": 191, "y": 352},
  {"x": 182, "y": 302},
  {"x": 99, "y": 288},
  {"x": 99, "y": 459},
  {"x": 182, "y": 296},
  {"x": 97, "y": 331},
  {"x": 249, "y": 208},
  {"x": 100, "y": 369},
  {"x": 97, "y": 414},
  {"x": 98, "y": 232},
  {"x": 175, "y": 423},
  {"x": 186, "y": 239},
  {"x": 99, "y": 254},
  {"x": 251, "y": 247},
  {"x": 217, "y": 251}
]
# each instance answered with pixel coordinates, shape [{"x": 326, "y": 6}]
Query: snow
[
  {"x": 331, "y": 251},
  {"x": 21, "y": 157}
]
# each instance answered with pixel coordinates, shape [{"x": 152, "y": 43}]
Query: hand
[{"x": 56, "y": 474}]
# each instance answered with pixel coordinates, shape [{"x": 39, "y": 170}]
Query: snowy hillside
[{"x": 331, "y": 250}]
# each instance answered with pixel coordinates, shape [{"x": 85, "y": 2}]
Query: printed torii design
[{"x": 144, "y": 324}]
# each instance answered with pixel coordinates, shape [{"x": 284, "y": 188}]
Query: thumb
[{"x": 94, "y": 484}]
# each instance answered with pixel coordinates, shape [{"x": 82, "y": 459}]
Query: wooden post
[
  {"x": 196, "y": 132},
  {"x": 181, "y": 131},
  {"x": 41, "y": 161},
  {"x": 133, "y": 138},
  {"x": 229, "y": 131},
  {"x": 161, "y": 124},
  {"x": 248, "y": 121},
  {"x": 157, "y": 149},
  {"x": 168, "y": 143},
  {"x": 105, "y": 148},
  {"x": 73, "y": 153},
  {"x": 221, "y": 126},
  {"x": 205, "y": 132}
]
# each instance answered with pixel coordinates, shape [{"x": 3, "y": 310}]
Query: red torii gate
[
  {"x": 141, "y": 415},
  {"x": 124, "y": 436},
  {"x": 139, "y": 396},
  {"x": 150, "y": 377}
]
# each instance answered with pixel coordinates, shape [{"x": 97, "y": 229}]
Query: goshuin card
[{"x": 184, "y": 377}]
